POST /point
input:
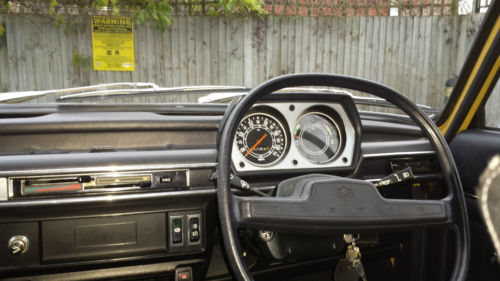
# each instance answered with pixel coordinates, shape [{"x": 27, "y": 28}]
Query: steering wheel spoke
[{"x": 332, "y": 204}]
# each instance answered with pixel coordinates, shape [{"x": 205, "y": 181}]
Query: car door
[{"x": 471, "y": 124}]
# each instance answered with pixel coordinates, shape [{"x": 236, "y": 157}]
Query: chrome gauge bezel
[
  {"x": 285, "y": 134},
  {"x": 292, "y": 159},
  {"x": 337, "y": 128}
]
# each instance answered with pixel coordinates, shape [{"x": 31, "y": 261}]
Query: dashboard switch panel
[{"x": 185, "y": 230}]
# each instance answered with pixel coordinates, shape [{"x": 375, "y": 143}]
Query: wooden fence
[{"x": 415, "y": 55}]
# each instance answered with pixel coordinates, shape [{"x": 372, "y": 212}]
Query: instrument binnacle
[{"x": 301, "y": 135}]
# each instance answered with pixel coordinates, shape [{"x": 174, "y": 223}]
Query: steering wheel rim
[{"x": 228, "y": 212}]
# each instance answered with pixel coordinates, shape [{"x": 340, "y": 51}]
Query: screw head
[{"x": 266, "y": 235}]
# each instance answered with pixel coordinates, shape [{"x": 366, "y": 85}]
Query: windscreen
[{"x": 159, "y": 51}]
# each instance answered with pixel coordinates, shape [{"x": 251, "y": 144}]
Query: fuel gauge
[{"x": 317, "y": 137}]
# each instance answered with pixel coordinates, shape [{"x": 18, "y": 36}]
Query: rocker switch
[
  {"x": 177, "y": 230},
  {"x": 194, "y": 229}
]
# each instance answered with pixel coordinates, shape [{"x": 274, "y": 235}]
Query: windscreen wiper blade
[{"x": 17, "y": 97}]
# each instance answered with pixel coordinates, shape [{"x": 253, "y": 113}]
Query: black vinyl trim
[{"x": 37, "y": 109}]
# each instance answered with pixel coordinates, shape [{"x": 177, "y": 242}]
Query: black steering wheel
[{"x": 337, "y": 204}]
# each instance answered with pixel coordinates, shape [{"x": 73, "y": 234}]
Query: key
[
  {"x": 358, "y": 266},
  {"x": 353, "y": 255},
  {"x": 344, "y": 271}
]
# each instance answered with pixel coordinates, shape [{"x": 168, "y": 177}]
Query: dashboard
[{"x": 127, "y": 192}]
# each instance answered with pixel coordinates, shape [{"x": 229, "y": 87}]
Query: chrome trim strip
[
  {"x": 395, "y": 154},
  {"x": 472, "y": 196},
  {"x": 101, "y": 169},
  {"x": 104, "y": 198},
  {"x": 4, "y": 192}
]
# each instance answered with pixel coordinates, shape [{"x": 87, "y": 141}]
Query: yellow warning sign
[{"x": 113, "y": 43}]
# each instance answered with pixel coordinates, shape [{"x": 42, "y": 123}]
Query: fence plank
[
  {"x": 299, "y": 40},
  {"x": 214, "y": 51},
  {"x": 175, "y": 55},
  {"x": 4, "y": 57},
  {"x": 183, "y": 51}
]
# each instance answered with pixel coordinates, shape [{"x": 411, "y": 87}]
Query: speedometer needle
[{"x": 255, "y": 145}]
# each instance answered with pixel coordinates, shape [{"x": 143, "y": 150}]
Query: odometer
[{"x": 261, "y": 139}]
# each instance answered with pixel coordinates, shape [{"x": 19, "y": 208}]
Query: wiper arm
[
  {"x": 383, "y": 103},
  {"x": 228, "y": 96},
  {"x": 110, "y": 89},
  {"x": 167, "y": 91},
  {"x": 17, "y": 97}
]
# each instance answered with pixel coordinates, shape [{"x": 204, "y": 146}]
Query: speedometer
[{"x": 261, "y": 139}]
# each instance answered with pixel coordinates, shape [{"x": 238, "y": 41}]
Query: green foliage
[
  {"x": 60, "y": 20},
  {"x": 454, "y": 7},
  {"x": 52, "y": 6},
  {"x": 243, "y": 6},
  {"x": 2, "y": 30},
  {"x": 79, "y": 61},
  {"x": 101, "y": 4},
  {"x": 159, "y": 12}
]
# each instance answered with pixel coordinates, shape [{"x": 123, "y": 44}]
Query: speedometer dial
[
  {"x": 317, "y": 137},
  {"x": 261, "y": 139}
]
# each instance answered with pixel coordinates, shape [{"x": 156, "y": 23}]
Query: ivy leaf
[
  {"x": 166, "y": 19},
  {"x": 52, "y": 7},
  {"x": 77, "y": 59},
  {"x": 116, "y": 11},
  {"x": 154, "y": 13},
  {"x": 2, "y": 30},
  {"x": 59, "y": 20},
  {"x": 229, "y": 6},
  {"x": 141, "y": 16}
]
